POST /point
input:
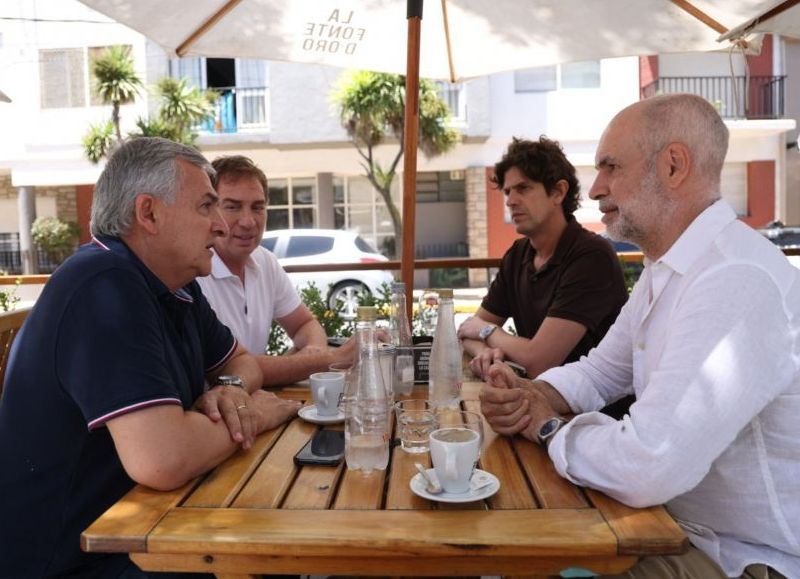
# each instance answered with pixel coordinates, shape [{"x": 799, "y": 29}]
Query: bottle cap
[
  {"x": 367, "y": 313},
  {"x": 445, "y": 293},
  {"x": 398, "y": 286}
]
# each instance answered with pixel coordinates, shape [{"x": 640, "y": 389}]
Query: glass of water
[{"x": 416, "y": 420}]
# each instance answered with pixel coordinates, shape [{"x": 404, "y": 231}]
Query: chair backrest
[{"x": 10, "y": 323}]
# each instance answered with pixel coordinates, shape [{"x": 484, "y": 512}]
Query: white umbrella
[
  {"x": 783, "y": 19},
  {"x": 460, "y": 39}
]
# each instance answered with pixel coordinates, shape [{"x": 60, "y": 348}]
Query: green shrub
[
  {"x": 8, "y": 297},
  {"x": 57, "y": 238}
]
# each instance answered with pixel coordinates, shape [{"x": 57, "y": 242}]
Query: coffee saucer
[
  {"x": 309, "y": 414},
  {"x": 487, "y": 484}
]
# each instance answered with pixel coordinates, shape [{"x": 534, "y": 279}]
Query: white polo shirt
[{"x": 248, "y": 310}]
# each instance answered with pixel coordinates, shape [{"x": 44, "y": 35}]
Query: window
[
  {"x": 303, "y": 245},
  {"x": 585, "y": 74},
  {"x": 358, "y": 207},
  {"x": 440, "y": 186},
  {"x": 539, "y": 79},
  {"x": 65, "y": 77},
  {"x": 454, "y": 95},
  {"x": 292, "y": 203}
]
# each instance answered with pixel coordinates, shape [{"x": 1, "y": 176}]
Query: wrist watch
[
  {"x": 230, "y": 380},
  {"x": 486, "y": 331},
  {"x": 549, "y": 429}
]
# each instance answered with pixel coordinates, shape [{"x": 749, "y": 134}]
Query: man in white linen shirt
[
  {"x": 708, "y": 343},
  {"x": 247, "y": 287}
]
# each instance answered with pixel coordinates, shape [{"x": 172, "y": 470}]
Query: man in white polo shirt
[{"x": 248, "y": 288}]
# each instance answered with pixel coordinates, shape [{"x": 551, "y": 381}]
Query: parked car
[
  {"x": 321, "y": 246},
  {"x": 784, "y": 237}
]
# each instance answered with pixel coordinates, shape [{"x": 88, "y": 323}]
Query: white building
[{"x": 280, "y": 114}]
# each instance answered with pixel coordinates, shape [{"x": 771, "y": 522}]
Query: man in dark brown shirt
[{"x": 562, "y": 285}]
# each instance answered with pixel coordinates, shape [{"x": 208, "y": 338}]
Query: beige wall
[{"x": 50, "y": 202}]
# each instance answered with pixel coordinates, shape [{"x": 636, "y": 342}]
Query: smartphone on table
[{"x": 326, "y": 448}]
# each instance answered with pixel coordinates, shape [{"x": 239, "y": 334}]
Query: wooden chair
[{"x": 10, "y": 323}]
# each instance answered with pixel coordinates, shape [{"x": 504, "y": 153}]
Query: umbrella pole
[{"x": 411, "y": 137}]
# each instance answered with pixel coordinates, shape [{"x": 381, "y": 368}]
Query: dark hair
[
  {"x": 542, "y": 161},
  {"x": 236, "y": 167}
]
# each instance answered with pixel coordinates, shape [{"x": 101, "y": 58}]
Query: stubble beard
[{"x": 644, "y": 214}]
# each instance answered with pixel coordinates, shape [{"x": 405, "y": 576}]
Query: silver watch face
[{"x": 486, "y": 331}]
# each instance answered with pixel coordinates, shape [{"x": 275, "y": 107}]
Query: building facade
[{"x": 281, "y": 115}]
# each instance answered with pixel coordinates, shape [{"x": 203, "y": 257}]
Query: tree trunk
[{"x": 115, "y": 120}]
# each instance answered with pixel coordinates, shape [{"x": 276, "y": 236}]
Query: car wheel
[{"x": 344, "y": 298}]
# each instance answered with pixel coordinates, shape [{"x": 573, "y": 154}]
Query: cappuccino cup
[{"x": 454, "y": 453}]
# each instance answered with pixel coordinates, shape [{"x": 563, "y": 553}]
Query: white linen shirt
[
  {"x": 248, "y": 309},
  {"x": 708, "y": 342}
]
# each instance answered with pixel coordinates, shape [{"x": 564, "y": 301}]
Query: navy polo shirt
[{"x": 106, "y": 337}]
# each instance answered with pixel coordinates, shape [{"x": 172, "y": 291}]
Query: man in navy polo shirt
[{"x": 105, "y": 376}]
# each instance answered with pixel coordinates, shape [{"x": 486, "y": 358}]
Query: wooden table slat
[
  {"x": 522, "y": 567},
  {"x": 125, "y": 526},
  {"x": 222, "y": 485},
  {"x": 640, "y": 531},
  {"x": 383, "y": 533},
  {"x": 398, "y": 494},
  {"x": 498, "y": 458},
  {"x": 272, "y": 479},
  {"x": 551, "y": 490}
]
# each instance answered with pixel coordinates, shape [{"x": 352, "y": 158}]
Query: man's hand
[
  {"x": 471, "y": 327},
  {"x": 270, "y": 411},
  {"x": 513, "y": 405},
  {"x": 481, "y": 363},
  {"x": 344, "y": 354},
  {"x": 230, "y": 404}
]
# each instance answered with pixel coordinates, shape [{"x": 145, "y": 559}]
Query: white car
[{"x": 321, "y": 246}]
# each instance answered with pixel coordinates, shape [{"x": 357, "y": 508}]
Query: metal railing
[
  {"x": 11, "y": 256},
  {"x": 735, "y": 97},
  {"x": 239, "y": 109}
]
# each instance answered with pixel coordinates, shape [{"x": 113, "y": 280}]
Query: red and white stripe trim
[
  {"x": 225, "y": 358},
  {"x": 97, "y": 422}
]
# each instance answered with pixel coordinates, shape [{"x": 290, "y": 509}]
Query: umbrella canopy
[
  {"x": 783, "y": 19},
  {"x": 460, "y": 39}
]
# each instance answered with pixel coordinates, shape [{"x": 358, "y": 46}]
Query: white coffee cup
[
  {"x": 454, "y": 453},
  {"x": 326, "y": 389}
]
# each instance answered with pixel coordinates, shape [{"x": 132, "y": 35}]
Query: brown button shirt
[{"x": 582, "y": 282}]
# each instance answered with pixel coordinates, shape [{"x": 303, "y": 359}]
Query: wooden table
[{"x": 259, "y": 513}]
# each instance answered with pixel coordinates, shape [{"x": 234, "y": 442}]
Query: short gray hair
[
  {"x": 687, "y": 119},
  {"x": 140, "y": 165}
]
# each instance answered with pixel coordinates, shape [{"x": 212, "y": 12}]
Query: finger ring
[{"x": 241, "y": 406}]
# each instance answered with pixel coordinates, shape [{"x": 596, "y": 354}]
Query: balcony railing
[
  {"x": 240, "y": 109},
  {"x": 738, "y": 97}
]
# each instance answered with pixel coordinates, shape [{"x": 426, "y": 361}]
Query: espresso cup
[
  {"x": 326, "y": 390},
  {"x": 454, "y": 453}
]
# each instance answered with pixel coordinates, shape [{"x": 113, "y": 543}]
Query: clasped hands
[
  {"x": 245, "y": 414},
  {"x": 514, "y": 405}
]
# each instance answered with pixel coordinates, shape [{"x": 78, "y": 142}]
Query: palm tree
[
  {"x": 183, "y": 107},
  {"x": 372, "y": 109},
  {"x": 116, "y": 81}
]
